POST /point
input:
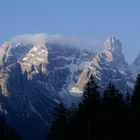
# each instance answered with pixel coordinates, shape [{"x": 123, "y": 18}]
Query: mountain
[
  {"x": 108, "y": 65},
  {"x": 34, "y": 76},
  {"x": 25, "y": 103},
  {"x": 48, "y": 62},
  {"x": 135, "y": 67}
]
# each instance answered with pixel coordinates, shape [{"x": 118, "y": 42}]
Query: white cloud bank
[{"x": 57, "y": 39}]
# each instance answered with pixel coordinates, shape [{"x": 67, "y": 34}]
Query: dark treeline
[
  {"x": 6, "y": 132},
  {"x": 108, "y": 117}
]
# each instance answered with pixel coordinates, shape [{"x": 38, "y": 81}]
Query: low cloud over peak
[{"x": 86, "y": 43}]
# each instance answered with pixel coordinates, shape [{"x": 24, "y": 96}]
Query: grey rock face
[
  {"x": 135, "y": 67},
  {"x": 109, "y": 65},
  {"x": 26, "y": 103},
  {"x": 57, "y": 66},
  {"x": 64, "y": 67},
  {"x": 10, "y": 72},
  {"x": 6, "y": 55},
  {"x": 11, "y": 80},
  {"x": 31, "y": 78}
]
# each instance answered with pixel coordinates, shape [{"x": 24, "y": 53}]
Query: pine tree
[
  {"x": 135, "y": 114},
  {"x": 60, "y": 125},
  {"x": 91, "y": 96},
  {"x": 128, "y": 100},
  {"x": 112, "y": 98},
  {"x": 89, "y": 108},
  {"x": 6, "y": 133},
  {"x": 136, "y": 95},
  {"x": 96, "y": 120},
  {"x": 112, "y": 113}
]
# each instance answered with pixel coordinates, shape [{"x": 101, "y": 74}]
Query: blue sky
[{"x": 96, "y": 19}]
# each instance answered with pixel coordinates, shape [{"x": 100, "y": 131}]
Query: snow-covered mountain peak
[
  {"x": 113, "y": 45},
  {"x": 111, "y": 54},
  {"x": 6, "y": 54},
  {"x": 45, "y": 72},
  {"x": 39, "y": 53},
  {"x": 112, "y": 51},
  {"x": 108, "y": 65},
  {"x": 37, "y": 47},
  {"x": 6, "y": 47}
]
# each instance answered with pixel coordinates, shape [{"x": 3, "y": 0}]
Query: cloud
[
  {"x": 84, "y": 43},
  {"x": 30, "y": 38}
]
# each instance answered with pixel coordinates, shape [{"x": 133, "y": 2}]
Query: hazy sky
[{"x": 96, "y": 19}]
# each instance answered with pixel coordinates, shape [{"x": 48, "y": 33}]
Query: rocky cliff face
[
  {"x": 47, "y": 63},
  {"x": 36, "y": 76},
  {"x": 108, "y": 65},
  {"x": 10, "y": 72},
  {"x": 32, "y": 78},
  {"x": 26, "y": 103}
]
